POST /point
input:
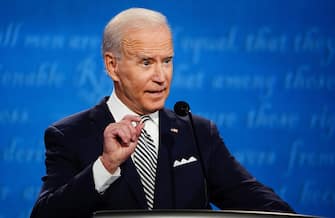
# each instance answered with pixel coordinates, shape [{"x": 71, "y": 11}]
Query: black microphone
[{"x": 183, "y": 109}]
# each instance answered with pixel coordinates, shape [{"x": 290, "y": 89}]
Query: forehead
[{"x": 150, "y": 41}]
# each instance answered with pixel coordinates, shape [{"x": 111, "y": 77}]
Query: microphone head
[{"x": 181, "y": 108}]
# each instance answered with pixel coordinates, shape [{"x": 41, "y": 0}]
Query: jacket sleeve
[
  {"x": 68, "y": 190},
  {"x": 232, "y": 187}
]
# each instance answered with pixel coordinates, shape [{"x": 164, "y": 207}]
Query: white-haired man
[{"x": 129, "y": 152}]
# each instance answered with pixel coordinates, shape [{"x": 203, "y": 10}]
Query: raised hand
[{"x": 120, "y": 140}]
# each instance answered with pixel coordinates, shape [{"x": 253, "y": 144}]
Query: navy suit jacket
[{"x": 74, "y": 143}]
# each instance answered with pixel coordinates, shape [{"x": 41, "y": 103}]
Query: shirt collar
[{"x": 119, "y": 109}]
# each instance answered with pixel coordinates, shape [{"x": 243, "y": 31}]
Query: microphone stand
[
  {"x": 195, "y": 137},
  {"x": 182, "y": 108}
]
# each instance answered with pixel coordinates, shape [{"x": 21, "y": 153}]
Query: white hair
[{"x": 130, "y": 19}]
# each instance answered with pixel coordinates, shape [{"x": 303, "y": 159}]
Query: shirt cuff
[{"x": 102, "y": 178}]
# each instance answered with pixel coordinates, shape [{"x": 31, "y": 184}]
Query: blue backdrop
[{"x": 262, "y": 70}]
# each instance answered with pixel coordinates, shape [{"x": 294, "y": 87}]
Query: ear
[{"x": 111, "y": 65}]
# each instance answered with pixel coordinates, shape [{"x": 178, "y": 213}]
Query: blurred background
[{"x": 262, "y": 70}]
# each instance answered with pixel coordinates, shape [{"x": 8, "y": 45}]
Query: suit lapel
[
  {"x": 130, "y": 175},
  {"x": 164, "y": 188},
  {"x": 102, "y": 117},
  {"x": 173, "y": 189}
]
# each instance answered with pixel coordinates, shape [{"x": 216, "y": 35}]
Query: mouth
[{"x": 157, "y": 92}]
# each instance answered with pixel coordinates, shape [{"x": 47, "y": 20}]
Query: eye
[
  {"x": 167, "y": 60},
  {"x": 146, "y": 62}
]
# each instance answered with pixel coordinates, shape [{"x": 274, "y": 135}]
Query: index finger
[{"x": 133, "y": 119}]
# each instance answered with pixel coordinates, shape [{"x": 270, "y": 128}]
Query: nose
[{"x": 159, "y": 74}]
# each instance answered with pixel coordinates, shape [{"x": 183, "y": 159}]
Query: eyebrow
[{"x": 143, "y": 56}]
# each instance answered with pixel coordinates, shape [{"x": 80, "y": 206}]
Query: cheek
[
  {"x": 131, "y": 79},
  {"x": 137, "y": 84}
]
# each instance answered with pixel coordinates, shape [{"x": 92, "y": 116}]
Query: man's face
[{"x": 144, "y": 71}]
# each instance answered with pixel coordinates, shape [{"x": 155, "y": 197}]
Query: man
[{"x": 114, "y": 157}]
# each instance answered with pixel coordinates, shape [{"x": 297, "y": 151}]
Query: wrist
[{"x": 108, "y": 164}]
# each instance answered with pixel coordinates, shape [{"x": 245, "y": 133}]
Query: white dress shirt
[{"x": 102, "y": 177}]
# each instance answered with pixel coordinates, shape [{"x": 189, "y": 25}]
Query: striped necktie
[{"x": 145, "y": 159}]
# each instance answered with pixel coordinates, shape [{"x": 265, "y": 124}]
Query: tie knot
[{"x": 145, "y": 118}]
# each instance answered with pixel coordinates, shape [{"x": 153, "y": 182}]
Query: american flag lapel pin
[{"x": 174, "y": 130}]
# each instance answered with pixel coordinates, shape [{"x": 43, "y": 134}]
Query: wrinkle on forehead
[
  {"x": 150, "y": 45},
  {"x": 134, "y": 47}
]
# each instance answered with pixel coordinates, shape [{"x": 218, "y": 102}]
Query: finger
[
  {"x": 119, "y": 132},
  {"x": 131, "y": 128},
  {"x": 132, "y": 118},
  {"x": 135, "y": 122}
]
